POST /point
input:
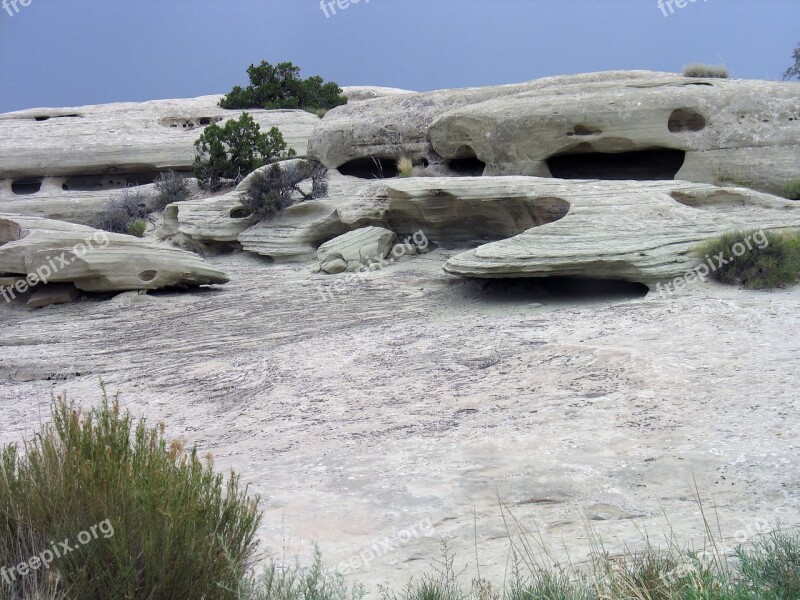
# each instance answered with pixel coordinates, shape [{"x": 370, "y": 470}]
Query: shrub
[
  {"x": 791, "y": 189},
  {"x": 793, "y": 72},
  {"x": 136, "y": 228},
  {"x": 405, "y": 167},
  {"x": 235, "y": 150},
  {"x": 773, "y": 262},
  {"x": 121, "y": 212},
  {"x": 707, "y": 71},
  {"x": 319, "y": 181},
  {"x": 275, "y": 189},
  {"x": 171, "y": 187},
  {"x": 171, "y": 528},
  {"x": 280, "y": 86}
]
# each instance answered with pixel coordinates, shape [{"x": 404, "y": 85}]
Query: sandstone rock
[
  {"x": 54, "y": 293},
  {"x": 94, "y": 260},
  {"x": 124, "y": 138},
  {"x": 616, "y": 125},
  {"x": 356, "y": 93},
  {"x": 360, "y": 247}
]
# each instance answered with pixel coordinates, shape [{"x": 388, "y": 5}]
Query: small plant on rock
[
  {"x": 280, "y": 86},
  {"x": 706, "y": 71},
  {"x": 171, "y": 187},
  {"x": 235, "y": 150},
  {"x": 137, "y": 228},
  {"x": 130, "y": 206},
  {"x": 405, "y": 168},
  {"x": 791, "y": 189}
]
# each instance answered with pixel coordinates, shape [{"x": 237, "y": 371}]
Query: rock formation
[{"x": 44, "y": 250}]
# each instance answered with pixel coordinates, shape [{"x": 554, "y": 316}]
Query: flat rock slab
[
  {"x": 96, "y": 261},
  {"x": 54, "y": 293}
]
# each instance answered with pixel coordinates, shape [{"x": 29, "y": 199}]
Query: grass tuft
[
  {"x": 791, "y": 189},
  {"x": 706, "y": 71}
]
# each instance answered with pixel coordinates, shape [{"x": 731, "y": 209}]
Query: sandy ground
[{"x": 400, "y": 410}]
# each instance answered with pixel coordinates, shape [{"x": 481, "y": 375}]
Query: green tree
[
  {"x": 794, "y": 71},
  {"x": 235, "y": 150},
  {"x": 280, "y": 86}
]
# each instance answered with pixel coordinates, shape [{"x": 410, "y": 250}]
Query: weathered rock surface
[
  {"x": 94, "y": 260},
  {"x": 636, "y": 231},
  {"x": 356, "y": 93},
  {"x": 355, "y": 249},
  {"x": 656, "y": 125},
  {"x": 123, "y": 139}
]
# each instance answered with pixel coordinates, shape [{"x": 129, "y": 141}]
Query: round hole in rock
[
  {"x": 26, "y": 187},
  {"x": 371, "y": 167},
  {"x": 148, "y": 275},
  {"x": 241, "y": 213},
  {"x": 469, "y": 166},
  {"x": 686, "y": 119},
  {"x": 641, "y": 165}
]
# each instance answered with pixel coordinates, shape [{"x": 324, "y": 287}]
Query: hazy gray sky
[{"x": 73, "y": 52}]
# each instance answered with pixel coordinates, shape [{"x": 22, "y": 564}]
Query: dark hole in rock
[
  {"x": 642, "y": 165},
  {"x": 686, "y": 119},
  {"x": 94, "y": 183},
  {"x": 583, "y": 130},
  {"x": 241, "y": 213},
  {"x": 371, "y": 167},
  {"x": 553, "y": 290},
  {"x": 48, "y": 117},
  {"x": 148, "y": 275},
  {"x": 470, "y": 166},
  {"x": 205, "y": 121},
  {"x": 26, "y": 187}
]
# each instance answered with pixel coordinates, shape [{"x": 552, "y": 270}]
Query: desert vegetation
[
  {"x": 772, "y": 264},
  {"x": 235, "y": 150},
  {"x": 280, "y": 86},
  {"x": 277, "y": 187},
  {"x": 791, "y": 189},
  {"x": 706, "y": 71},
  {"x": 127, "y": 213},
  {"x": 173, "y": 528}
]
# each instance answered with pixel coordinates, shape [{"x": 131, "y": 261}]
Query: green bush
[
  {"x": 130, "y": 206},
  {"x": 235, "y": 150},
  {"x": 173, "y": 529},
  {"x": 137, "y": 228},
  {"x": 791, "y": 189},
  {"x": 755, "y": 260},
  {"x": 171, "y": 187},
  {"x": 280, "y": 86},
  {"x": 706, "y": 71}
]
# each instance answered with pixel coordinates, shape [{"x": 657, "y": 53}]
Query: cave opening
[
  {"x": 26, "y": 187},
  {"x": 643, "y": 165},
  {"x": 370, "y": 167}
]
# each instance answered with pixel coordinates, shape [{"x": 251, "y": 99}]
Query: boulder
[
  {"x": 57, "y": 252},
  {"x": 355, "y": 249}
]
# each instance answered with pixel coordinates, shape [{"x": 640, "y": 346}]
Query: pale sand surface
[{"x": 415, "y": 397}]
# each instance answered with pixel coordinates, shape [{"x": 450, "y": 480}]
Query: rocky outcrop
[
  {"x": 43, "y": 250},
  {"x": 356, "y": 249},
  {"x": 619, "y": 125},
  {"x": 636, "y": 231},
  {"x": 124, "y": 140}
]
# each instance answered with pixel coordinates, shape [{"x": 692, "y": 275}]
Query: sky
[{"x": 58, "y": 53}]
